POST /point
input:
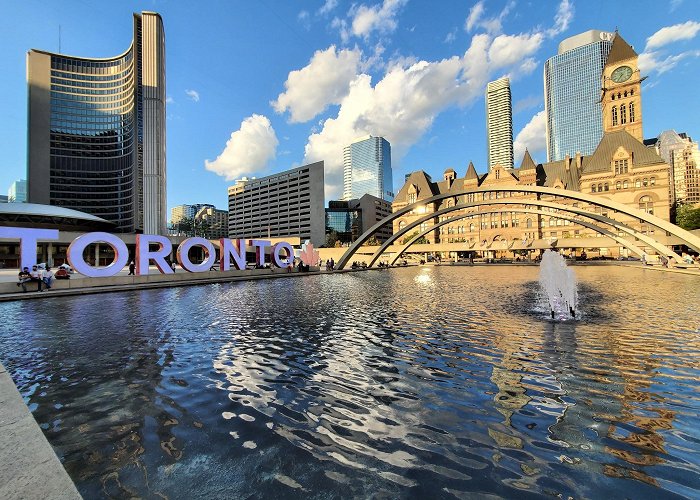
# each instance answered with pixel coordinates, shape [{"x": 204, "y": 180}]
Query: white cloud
[
  {"x": 532, "y": 137},
  {"x": 565, "y": 15},
  {"x": 304, "y": 19},
  {"x": 169, "y": 100},
  {"x": 324, "y": 81},
  {"x": 670, "y": 34},
  {"x": 475, "y": 14},
  {"x": 192, "y": 94},
  {"x": 248, "y": 150},
  {"x": 508, "y": 49},
  {"x": 451, "y": 36},
  {"x": 328, "y": 6},
  {"x": 655, "y": 62},
  {"x": 382, "y": 19}
]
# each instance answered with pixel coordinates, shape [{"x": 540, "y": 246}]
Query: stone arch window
[
  {"x": 625, "y": 184},
  {"x": 625, "y": 93},
  {"x": 593, "y": 188},
  {"x": 632, "y": 92},
  {"x": 652, "y": 181},
  {"x": 402, "y": 224},
  {"x": 623, "y": 114},
  {"x": 646, "y": 205},
  {"x": 600, "y": 188},
  {"x": 606, "y": 187},
  {"x": 614, "y": 115},
  {"x": 449, "y": 203},
  {"x": 637, "y": 183},
  {"x": 471, "y": 227},
  {"x": 528, "y": 223},
  {"x": 618, "y": 185},
  {"x": 613, "y": 97},
  {"x": 631, "y": 106},
  {"x": 645, "y": 182}
]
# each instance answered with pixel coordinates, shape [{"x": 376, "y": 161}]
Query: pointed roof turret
[
  {"x": 527, "y": 163},
  {"x": 620, "y": 50},
  {"x": 471, "y": 173}
]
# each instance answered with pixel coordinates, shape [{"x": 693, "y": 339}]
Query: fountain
[{"x": 558, "y": 282}]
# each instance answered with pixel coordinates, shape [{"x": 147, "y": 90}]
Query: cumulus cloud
[
  {"x": 670, "y": 34},
  {"x": 532, "y": 137},
  {"x": 324, "y": 81},
  {"x": 376, "y": 18},
  {"x": 656, "y": 59},
  {"x": 248, "y": 150},
  {"x": 192, "y": 94}
]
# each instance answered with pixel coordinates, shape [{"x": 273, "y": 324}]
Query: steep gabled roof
[
  {"x": 620, "y": 51},
  {"x": 527, "y": 163},
  {"x": 548, "y": 173},
  {"x": 422, "y": 181},
  {"x": 471, "y": 173},
  {"x": 600, "y": 160}
]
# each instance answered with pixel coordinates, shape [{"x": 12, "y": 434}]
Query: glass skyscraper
[
  {"x": 97, "y": 131},
  {"x": 499, "y": 124},
  {"x": 367, "y": 169},
  {"x": 572, "y": 93}
]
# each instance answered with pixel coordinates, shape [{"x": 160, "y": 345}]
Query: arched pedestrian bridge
[{"x": 516, "y": 202}]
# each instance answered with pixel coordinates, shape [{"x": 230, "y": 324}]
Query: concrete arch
[
  {"x": 688, "y": 238},
  {"x": 662, "y": 249},
  {"x": 630, "y": 246}
]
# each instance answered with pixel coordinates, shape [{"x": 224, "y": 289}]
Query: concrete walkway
[{"x": 29, "y": 468}]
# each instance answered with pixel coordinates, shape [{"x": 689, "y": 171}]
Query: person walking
[
  {"x": 36, "y": 276},
  {"x": 47, "y": 277},
  {"x": 24, "y": 278},
  {"x": 132, "y": 266}
]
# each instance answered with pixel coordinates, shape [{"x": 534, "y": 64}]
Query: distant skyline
[{"x": 255, "y": 88}]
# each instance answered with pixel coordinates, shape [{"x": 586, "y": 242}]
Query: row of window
[
  {"x": 620, "y": 95},
  {"x": 625, "y": 184},
  {"x": 623, "y": 114}
]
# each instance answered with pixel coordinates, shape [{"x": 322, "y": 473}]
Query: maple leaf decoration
[{"x": 309, "y": 256}]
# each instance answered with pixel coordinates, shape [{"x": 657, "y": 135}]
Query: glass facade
[
  {"x": 17, "y": 192},
  {"x": 345, "y": 222},
  {"x": 572, "y": 89},
  {"x": 106, "y": 146},
  {"x": 367, "y": 169}
]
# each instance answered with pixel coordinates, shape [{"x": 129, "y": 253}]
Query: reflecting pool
[{"x": 430, "y": 382}]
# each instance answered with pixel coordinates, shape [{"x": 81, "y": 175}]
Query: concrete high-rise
[
  {"x": 572, "y": 94},
  {"x": 97, "y": 131},
  {"x": 17, "y": 192},
  {"x": 499, "y": 124},
  {"x": 290, "y": 203},
  {"x": 367, "y": 169}
]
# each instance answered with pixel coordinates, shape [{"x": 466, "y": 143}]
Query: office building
[
  {"x": 683, "y": 156},
  {"x": 181, "y": 212},
  {"x": 97, "y": 131},
  {"x": 499, "y": 124},
  {"x": 367, "y": 169},
  {"x": 17, "y": 192},
  {"x": 3, "y": 198},
  {"x": 290, "y": 203},
  {"x": 348, "y": 219},
  {"x": 572, "y": 92},
  {"x": 212, "y": 222}
]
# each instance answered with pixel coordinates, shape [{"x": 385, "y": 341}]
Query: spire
[
  {"x": 471, "y": 172},
  {"x": 527, "y": 163},
  {"x": 620, "y": 51}
]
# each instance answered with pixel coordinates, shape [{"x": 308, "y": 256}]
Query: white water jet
[{"x": 558, "y": 282}]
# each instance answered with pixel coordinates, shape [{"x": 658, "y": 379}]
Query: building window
[
  {"x": 625, "y": 184},
  {"x": 631, "y": 112},
  {"x": 411, "y": 198},
  {"x": 637, "y": 183},
  {"x": 618, "y": 185},
  {"x": 528, "y": 223},
  {"x": 606, "y": 187},
  {"x": 471, "y": 228},
  {"x": 423, "y": 226},
  {"x": 593, "y": 188},
  {"x": 614, "y": 116},
  {"x": 600, "y": 188},
  {"x": 652, "y": 181},
  {"x": 646, "y": 205},
  {"x": 623, "y": 114},
  {"x": 645, "y": 182},
  {"x": 402, "y": 225}
]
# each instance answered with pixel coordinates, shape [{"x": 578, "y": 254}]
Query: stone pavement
[{"x": 29, "y": 468}]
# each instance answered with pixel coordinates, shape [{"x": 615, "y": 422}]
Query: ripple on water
[{"x": 433, "y": 381}]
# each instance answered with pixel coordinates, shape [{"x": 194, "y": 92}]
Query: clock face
[{"x": 621, "y": 74}]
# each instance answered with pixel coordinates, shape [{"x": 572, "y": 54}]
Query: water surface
[{"x": 420, "y": 382}]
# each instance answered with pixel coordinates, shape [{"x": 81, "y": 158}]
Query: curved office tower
[{"x": 97, "y": 131}]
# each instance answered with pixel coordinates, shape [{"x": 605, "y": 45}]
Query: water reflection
[{"x": 427, "y": 382}]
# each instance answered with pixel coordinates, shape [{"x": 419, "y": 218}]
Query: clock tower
[{"x": 622, "y": 90}]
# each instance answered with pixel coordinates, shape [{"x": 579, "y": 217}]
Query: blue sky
[{"x": 256, "y": 87}]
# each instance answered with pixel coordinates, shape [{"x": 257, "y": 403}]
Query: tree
[
  {"x": 688, "y": 217},
  {"x": 331, "y": 238},
  {"x": 372, "y": 242},
  {"x": 420, "y": 241}
]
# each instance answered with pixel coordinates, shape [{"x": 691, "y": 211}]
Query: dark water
[{"x": 421, "y": 382}]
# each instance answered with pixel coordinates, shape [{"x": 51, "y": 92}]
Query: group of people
[
  {"x": 43, "y": 277},
  {"x": 330, "y": 264}
]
